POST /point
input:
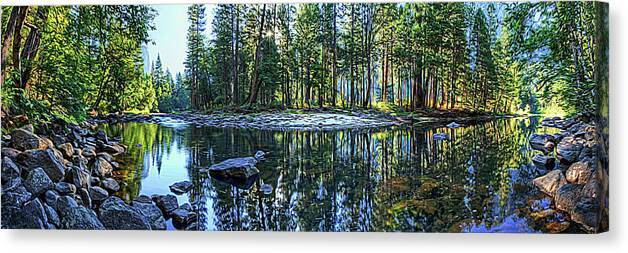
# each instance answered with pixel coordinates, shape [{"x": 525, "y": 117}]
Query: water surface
[{"x": 394, "y": 179}]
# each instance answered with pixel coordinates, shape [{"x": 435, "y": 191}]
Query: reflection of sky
[{"x": 172, "y": 170}]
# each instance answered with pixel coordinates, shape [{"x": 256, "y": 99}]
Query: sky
[{"x": 169, "y": 36}]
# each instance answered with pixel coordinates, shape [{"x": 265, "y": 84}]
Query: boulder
[
  {"x": 80, "y": 218},
  {"x": 538, "y": 141},
  {"x": 10, "y": 153},
  {"x": 64, "y": 203},
  {"x": 79, "y": 177},
  {"x": 568, "y": 150},
  {"x": 16, "y": 196},
  {"x": 46, "y": 159},
  {"x": 180, "y": 218},
  {"x": 550, "y": 182},
  {"x": 50, "y": 198},
  {"x": 237, "y": 171},
  {"x": 23, "y": 139},
  {"x": 181, "y": 187},
  {"x": 587, "y": 213},
  {"x": 67, "y": 150},
  {"x": 37, "y": 182},
  {"x": 89, "y": 151},
  {"x": 98, "y": 194},
  {"x": 114, "y": 149},
  {"x": 567, "y": 196},
  {"x": 110, "y": 184},
  {"x": 544, "y": 162},
  {"x": 85, "y": 197},
  {"x": 52, "y": 216},
  {"x": 108, "y": 157},
  {"x": 117, "y": 215},
  {"x": 101, "y": 168},
  {"x": 10, "y": 170},
  {"x": 65, "y": 188},
  {"x": 143, "y": 199},
  {"x": 152, "y": 213},
  {"x": 31, "y": 216},
  {"x": 167, "y": 203},
  {"x": 102, "y": 136},
  {"x": 579, "y": 172}
]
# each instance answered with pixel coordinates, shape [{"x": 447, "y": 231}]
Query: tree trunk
[{"x": 258, "y": 52}]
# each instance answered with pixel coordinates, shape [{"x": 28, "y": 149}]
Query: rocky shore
[
  {"x": 574, "y": 182},
  {"x": 61, "y": 177},
  {"x": 299, "y": 120}
]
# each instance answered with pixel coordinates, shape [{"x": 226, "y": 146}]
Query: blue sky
[{"x": 169, "y": 36}]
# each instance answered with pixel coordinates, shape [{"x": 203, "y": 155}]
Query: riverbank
[
  {"x": 575, "y": 182},
  {"x": 63, "y": 176}
]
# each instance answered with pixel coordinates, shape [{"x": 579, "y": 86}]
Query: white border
[{"x": 254, "y": 242}]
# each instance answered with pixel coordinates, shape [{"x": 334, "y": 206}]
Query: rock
[
  {"x": 31, "y": 216},
  {"x": 46, "y": 159},
  {"x": 167, "y": 203},
  {"x": 89, "y": 151},
  {"x": 587, "y": 213},
  {"x": 108, "y": 157},
  {"x": 26, "y": 140},
  {"x": 16, "y": 196},
  {"x": 65, "y": 188},
  {"x": 102, "y": 136},
  {"x": 98, "y": 194},
  {"x": 50, "y": 197},
  {"x": 95, "y": 181},
  {"x": 114, "y": 149},
  {"x": 11, "y": 153},
  {"x": 117, "y": 215},
  {"x": 544, "y": 162},
  {"x": 52, "y": 216},
  {"x": 567, "y": 196},
  {"x": 453, "y": 125},
  {"x": 238, "y": 171},
  {"x": 186, "y": 206},
  {"x": 67, "y": 150},
  {"x": 10, "y": 170},
  {"x": 101, "y": 168},
  {"x": 37, "y": 182},
  {"x": 537, "y": 142},
  {"x": 64, "y": 203},
  {"x": 79, "y": 177},
  {"x": 180, "y": 218},
  {"x": 110, "y": 184},
  {"x": 80, "y": 218},
  {"x": 152, "y": 212},
  {"x": 143, "y": 199},
  {"x": 557, "y": 226},
  {"x": 550, "y": 183},
  {"x": 441, "y": 136},
  {"x": 181, "y": 187},
  {"x": 568, "y": 149},
  {"x": 579, "y": 173}
]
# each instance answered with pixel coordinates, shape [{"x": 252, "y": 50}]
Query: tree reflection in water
[{"x": 398, "y": 179}]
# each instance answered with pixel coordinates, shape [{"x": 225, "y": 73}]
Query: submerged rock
[
  {"x": 550, "y": 182},
  {"x": 181, "y": 187},
  {"x": 538, "y": 142}
]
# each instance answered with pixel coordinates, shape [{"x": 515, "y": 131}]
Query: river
[{"x": 385, "y": 179}]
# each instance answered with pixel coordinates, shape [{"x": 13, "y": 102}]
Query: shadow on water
[{"x": 397, "y": 179}]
